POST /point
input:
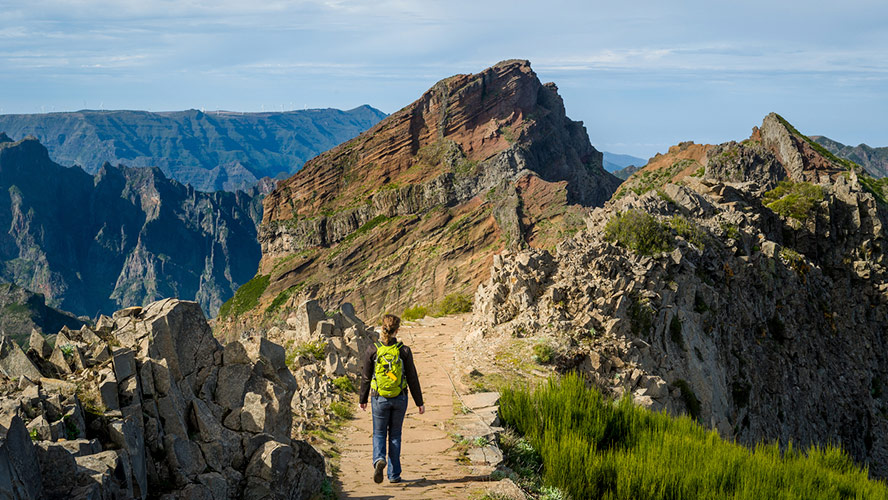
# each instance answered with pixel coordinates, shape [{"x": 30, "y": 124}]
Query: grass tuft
[
  {"x": 590, "y": 447},
  {"x": 638, "y": 231},
  {"x": 794, "y": 199},
  {"x": 342, "y": 409},
  {"x": 344, "y": 384}
]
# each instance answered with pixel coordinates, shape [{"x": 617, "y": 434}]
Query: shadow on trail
[
  {"x": 344, "y": 496},
  {"x": 423, "y": 482}
]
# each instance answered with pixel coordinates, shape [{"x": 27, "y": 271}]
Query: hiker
[{"x": 387, "y": 374}]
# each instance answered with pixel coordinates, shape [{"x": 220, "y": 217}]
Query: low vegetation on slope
[
  {"x": 595, "y": 448},
  {"x": 794, "y": 199}
]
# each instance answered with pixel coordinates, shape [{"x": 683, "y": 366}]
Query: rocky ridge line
[{"x": 763, "y": 326}]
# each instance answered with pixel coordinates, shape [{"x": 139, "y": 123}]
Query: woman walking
[{"x": 387, "y": 374}]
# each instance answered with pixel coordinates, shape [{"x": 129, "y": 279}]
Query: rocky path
[{"x": 428, "y": 460}]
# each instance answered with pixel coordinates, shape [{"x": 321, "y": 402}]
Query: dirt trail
[{"x": 429, "y": 466}]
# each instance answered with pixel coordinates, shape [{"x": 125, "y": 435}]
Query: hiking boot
[
  {"x": 395, "y": 480},
  {"x": 378, "y": 467}
]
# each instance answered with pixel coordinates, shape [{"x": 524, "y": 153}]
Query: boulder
[
  {"x": 57, "y": 467},
  {"x": 37, "y": 343},
  {"x": 128, "y": 435},
  {"x": 19, "y": 467},
  {"x": 129, "y": 312},
  {"x": 184, "y": 459},
  {"x": 58, "y": 361},
  {"x": 14, "y": 363},
  {"x": 305, "y": 319},
  {"x": 109, "y": 470},
  {"x": 180, "y": 335},
  {"x": 124, "y": 362}
]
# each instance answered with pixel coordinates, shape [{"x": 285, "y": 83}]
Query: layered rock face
[
  {"x": 122, "y": 237},
  {"x": 150, "y": 405},
  {"x": 210, "y": 151},
  {"x": 764, "y": 323},
  {"x": 415, "y": 207}
]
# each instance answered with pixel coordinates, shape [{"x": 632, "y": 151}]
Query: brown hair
[{"x": 390, "y": 325}]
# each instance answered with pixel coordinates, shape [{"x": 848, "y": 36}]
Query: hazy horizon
[{"x": 641, "y": 77}]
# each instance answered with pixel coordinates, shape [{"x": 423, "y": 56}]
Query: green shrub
[
  {"x": 638, "y": 231},
  {"x": 414, "y": 313},
  {"x": 72, "y": 432},
  {"x": 731, "y": 230},
  {"x": 590, "y": 447},
  {"x": 246, "y": 297},
  {"x": 519, "y": 454},
  {"x": 543, "y": 353},
  {"x": 794, "y": 199},
  {"x": 691, "y": 232},
  {"x": 313, "y": 350},
  {"x": 33, "y": 434},
  {"x": 67, "y": 350},
  {"x": 344, "y": 384},
  {"x": 455, "y": 303},
  {"x": 342, "y": 409}
]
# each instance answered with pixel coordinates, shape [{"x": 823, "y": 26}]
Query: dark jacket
[{"x": 369, "y": 366}]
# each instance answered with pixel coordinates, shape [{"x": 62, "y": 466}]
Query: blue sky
[{"x": 642, "y": 75}]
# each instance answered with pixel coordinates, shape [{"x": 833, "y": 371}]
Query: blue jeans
[{"x": 388, "y": 419}]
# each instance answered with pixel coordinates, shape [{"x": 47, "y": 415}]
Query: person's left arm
[{"x": 412, "y": 378}]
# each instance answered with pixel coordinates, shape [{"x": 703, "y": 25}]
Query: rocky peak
[
  {"x": 461, "y": 120},
  {"x": 478, "y": 163},
  {"x": 803, "y": 159},
  {"x": 775, "y": 151}
]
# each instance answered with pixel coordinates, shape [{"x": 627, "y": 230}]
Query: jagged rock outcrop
[
  {"x": 414, "y": 207},
  {"x": 125, "y": 236},
  {"x": 210, "y": 151},
  {"x": 321, "y": 348},
  {"x": 765, "y": 323},
  {"x": 151, "y": 405}
]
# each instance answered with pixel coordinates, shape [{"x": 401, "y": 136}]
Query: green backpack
[{"x": 388, "y": 380}]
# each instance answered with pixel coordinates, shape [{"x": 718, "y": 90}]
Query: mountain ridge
[
  {"x": 121, "y": 237},
  {"x": 414, "y": 208},
  {"x": 873, "y": 160},
  {"x": 208, "y": 150}
]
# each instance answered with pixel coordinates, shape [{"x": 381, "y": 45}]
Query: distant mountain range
[
  {"x": 209, "y": 150},
  {"x": 614, "y": 161},
  {"x": 121, "y": 237},
  {"x": 873, "y": 160}
]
